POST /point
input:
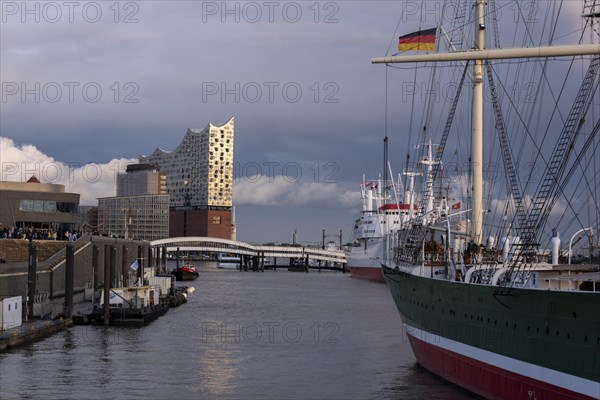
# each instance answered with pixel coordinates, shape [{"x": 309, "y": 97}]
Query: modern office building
[
  {"x": 40, "y": 206},
  {"x": 140, "y": 179},
  {"x": 144, "y": 217},
  {"x": 199, "y": 176},
  {"x": 141, "y": 208}
]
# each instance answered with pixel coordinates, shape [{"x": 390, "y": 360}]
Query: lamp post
[{"x": 573, "y": 237}]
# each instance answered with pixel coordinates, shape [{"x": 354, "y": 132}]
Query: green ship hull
[{"x": 543, "y": 341}]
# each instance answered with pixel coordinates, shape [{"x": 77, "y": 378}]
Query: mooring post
[
  {"x": 113, "y": 267},
  {"x": 140, "y": 265},
  {"x": 150, "y": 258},
  {"x": 125, "y": 265},
  {"x": 158, "y": 259},
  {"x": 106, "y": 304},
  {"x": 31, "y": 278},
  {"x": 70, "y": 267},
  {"x": 94, "y": 269}
]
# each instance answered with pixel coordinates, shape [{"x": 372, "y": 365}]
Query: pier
[{"x": 31, "y": 331}]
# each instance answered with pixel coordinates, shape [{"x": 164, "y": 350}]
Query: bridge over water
[{"x": 251, "y": 253}]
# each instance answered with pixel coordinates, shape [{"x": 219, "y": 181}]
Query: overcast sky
[{"x": 93, "y": 85}]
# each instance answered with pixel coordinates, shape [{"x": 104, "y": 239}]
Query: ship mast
[
  {"x": 477, "y": 130},
  {"x": 479, "y": 54}
]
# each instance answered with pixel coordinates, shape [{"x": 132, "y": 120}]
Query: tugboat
[{"x": 187, "y": 272}]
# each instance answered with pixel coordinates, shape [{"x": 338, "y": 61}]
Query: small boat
[
  {"x": 187, "y": 272},
  {"x": 228, "y": 262},
  {"x": 129, "y": 306}
]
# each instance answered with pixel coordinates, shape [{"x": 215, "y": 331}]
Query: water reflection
[
  {"x": 104, "y": 355},
  {"x": 416, "y": 383},
  {"x": 216, "y": 368},
  {"x": 67, "y": 360}
]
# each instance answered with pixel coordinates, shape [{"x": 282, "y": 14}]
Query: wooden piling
[
  {"x": 69, "y": 270},
  {"x": 106, "y": 305},
  {"x": 140, "y": 265},
  {"x": 95, "y": 261},
  {"x": 113, "y": 266},
  {"x": 31, "y": 278},
  {"x": 125, "y": 265}
]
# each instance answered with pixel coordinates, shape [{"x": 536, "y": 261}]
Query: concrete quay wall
[{"x": 51, "y": 272}]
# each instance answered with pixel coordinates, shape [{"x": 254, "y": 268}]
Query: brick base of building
[{"x": 202, "y": 222}]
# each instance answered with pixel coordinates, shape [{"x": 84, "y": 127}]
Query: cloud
[
  {"x": 283, "y": 190},
  {"x": 93, "y": 180},
  {"x": 90, "y": 180}
]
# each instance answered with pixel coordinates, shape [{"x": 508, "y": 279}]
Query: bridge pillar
[
  {"x": 164, "y": 258},
  {"x": 262, "y": 261}
]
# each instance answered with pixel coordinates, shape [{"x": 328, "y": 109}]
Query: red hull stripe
[
  {"x": 372, "y": 274},
  {"x": 494, "y": 376}
]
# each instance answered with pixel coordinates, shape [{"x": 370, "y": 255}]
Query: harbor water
[{"x": 242, "y": 335}]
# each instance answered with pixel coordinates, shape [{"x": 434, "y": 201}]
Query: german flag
[{"x": 421, "y": 40}]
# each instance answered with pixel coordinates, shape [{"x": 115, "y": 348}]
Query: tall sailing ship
[{"x": 508, "y": 319}]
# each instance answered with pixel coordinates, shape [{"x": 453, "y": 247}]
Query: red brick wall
[{"x": 210, "y": 223}]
